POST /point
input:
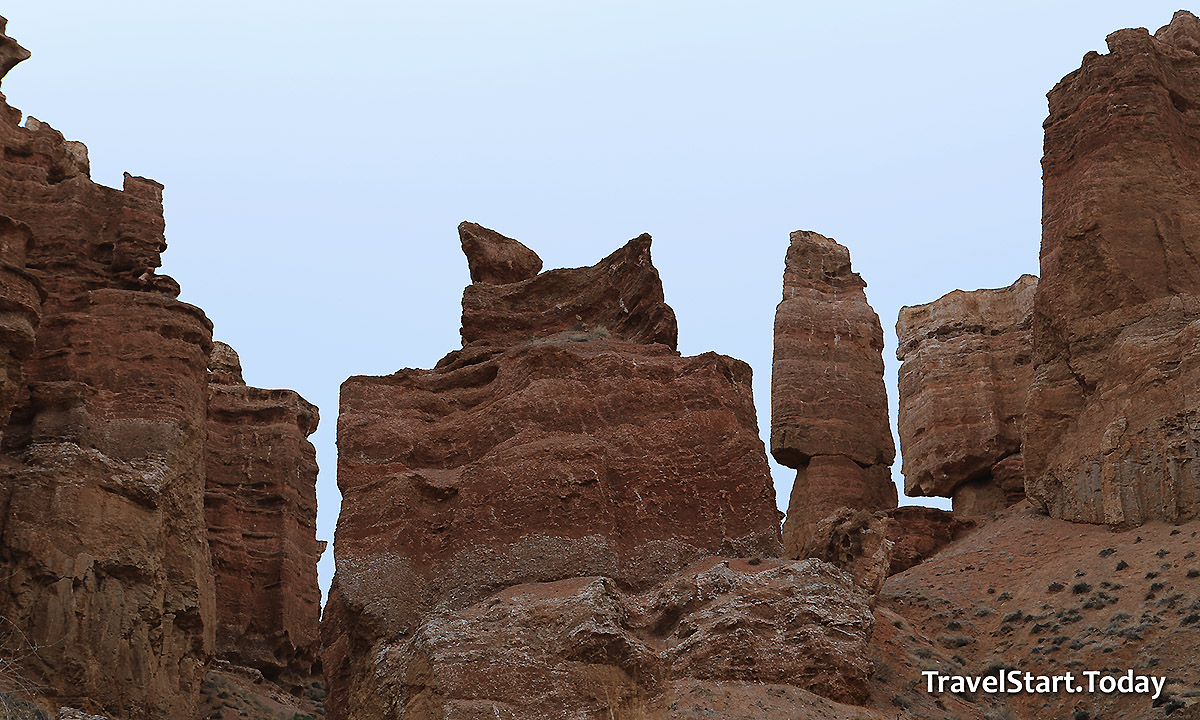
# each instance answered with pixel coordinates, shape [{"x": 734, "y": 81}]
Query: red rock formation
[
  {"x": 828, "y": 402},
  {"x": 619, "y": 297},
  {"x": 919, "y": 533},
  {"x": 496, "y": 259},
  {"x": 103, "y": 538},
  {"x": 564, "y": 468},
  {"x": 1112, "y": 420},
  {"x": 965, "y": 374},
  {"x": 856, "y": 541},
  {"x": 261, "y": 508},
  {"x": 107, "y": 599},
  {"x": 583, "y": 647}
]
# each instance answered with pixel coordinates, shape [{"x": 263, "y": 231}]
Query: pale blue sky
[{"x": 318, "y": 156}]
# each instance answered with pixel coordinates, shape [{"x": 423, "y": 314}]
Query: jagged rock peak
[
  {"x": 11, "y": 51},
  {"x": 1183, "y": 32},
  {"x": 224, "y": 365},
  {"x": 620, "y": 297},
  {"x": 494, "y": 258},
  {"x": 815, "y": 261}
]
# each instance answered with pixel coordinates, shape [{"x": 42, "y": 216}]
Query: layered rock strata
[
  {"x": 542, "y": 524},
  {"x": 966, "y": 367},
  {"x": 107, "y": 597},
  {"x": 1112, "y": 424},
  {"x": 829, "y": 416},
  {"x": 261, "y": 510}
]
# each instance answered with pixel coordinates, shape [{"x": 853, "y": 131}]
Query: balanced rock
[
  {"x": 1112, "y": 422},
  {"x": 965, "y": 374},
  {"x": 829, "y": 416}
]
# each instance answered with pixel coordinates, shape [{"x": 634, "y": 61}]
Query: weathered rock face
[
  {"x": 107, "y": 597},
  {"x": 964, "y": 378},
  {"x": 261, "y": 509},
  {"x": 828, "y": 402},
  {"x": 856, "y": 541},
  {"x": 619, "y": 297},
  {"x": 583, "y": 647},
  {"x": 570, "y": 468},
  {"x": 495, "y": 259},
  {"x": 103, "y": 537},
  {"x": 918, "y": 533},
  {"x": 1112, "y": 422}
]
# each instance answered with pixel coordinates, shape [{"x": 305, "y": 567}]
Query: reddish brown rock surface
[
  {"x": 495, "y": 259},
  {"x": 918, "y": 533},
  {"x": 964, "y": 378},
  {"x": 619, "y": 297},
  {"x": 107, "y": 598},
  {"x": 103, "y": 535},
  {"x": 563, "y": 481},
  {"x": 1113, "y": 416},
  {"x": 828, "y": 403},
  {"x": 261, "y": 508},
  {"x": 583, "y": 647}
]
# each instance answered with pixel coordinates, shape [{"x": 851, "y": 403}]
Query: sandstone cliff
[
  {"x": 829, "y": 416},
  {"x": 965, "y": 374},
  {"x": 568, "y": 518},
  {"x": 1111, "y": 431},
  {"x": 107, "y": 600},
  {"x": 261, "y": 510}
]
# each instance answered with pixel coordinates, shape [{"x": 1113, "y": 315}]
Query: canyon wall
[
  {"x": 1111, "y": 429},
  {"x": 108, "y": 599},
  {"x": 260, "y": 506},
  {"x": 966, "y": 368}
]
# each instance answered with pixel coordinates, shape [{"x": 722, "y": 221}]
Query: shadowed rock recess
[
  {"x": 566, "y": 518},
  {"x": 108, "y": 601}
]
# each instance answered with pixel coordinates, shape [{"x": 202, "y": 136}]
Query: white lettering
[
  {"x": 929, "y": 675},
  {"x": 1158, "y": 682}
]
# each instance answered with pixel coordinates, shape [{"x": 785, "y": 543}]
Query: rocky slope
[{"x": 108, "y": 601}]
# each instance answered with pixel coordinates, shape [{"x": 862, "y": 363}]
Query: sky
[{"x": 318, "y": 157}]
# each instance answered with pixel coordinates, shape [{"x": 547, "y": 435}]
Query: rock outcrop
[
  {"x": 964, "y": 378},
  {"x": 261, "y": 510},
  {"x": 103, "y": 538},
  {"x": 1113, "y": 417},
  {"x": 918, "y": 533},
  {"x": 829, "y": 416},
  {"x": 107, "y": 597},
  {"x": 547, "y": 523}
]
